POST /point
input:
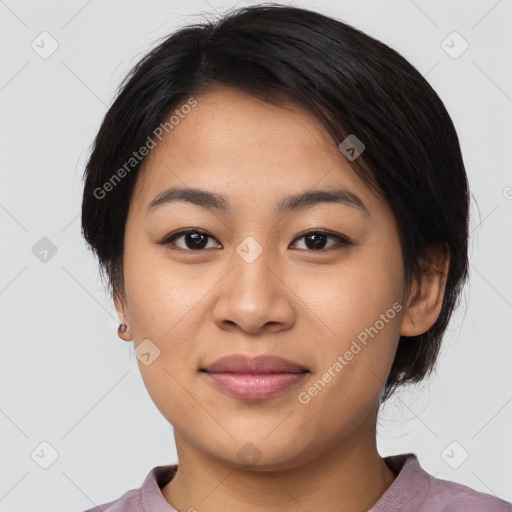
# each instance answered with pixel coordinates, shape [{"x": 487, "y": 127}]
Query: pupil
[
  {"x": 194, "y": 237},
  {"x": 318, "y": 243}
]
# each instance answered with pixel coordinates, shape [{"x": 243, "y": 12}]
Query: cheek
[
  {"x": 357, "y": 309},
  {"x": 159, "y": 293},
  {"x": 163, "y": 305},
  {"x": 351, "y": 296},
  {"x": 168, "y": 385}
]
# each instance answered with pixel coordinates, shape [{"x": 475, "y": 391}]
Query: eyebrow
[{"x": 298, "y": 201}]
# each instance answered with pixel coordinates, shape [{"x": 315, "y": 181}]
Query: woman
[{"x": 285, "y": 242}]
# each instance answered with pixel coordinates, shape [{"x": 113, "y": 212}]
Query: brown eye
[
  {"x": 197, "y": 240},
  {"x": 193, "y": 240},
  {"x": 317, "y": 240}
]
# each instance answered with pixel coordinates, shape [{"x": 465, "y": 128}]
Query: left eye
[
  {"x": 196, "y": 240},
  {"x": 317, "y": 240}
]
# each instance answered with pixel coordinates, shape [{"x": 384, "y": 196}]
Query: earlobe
[
  {"x": 123, "y": 331},
  {"x": 425, "y": 300}
]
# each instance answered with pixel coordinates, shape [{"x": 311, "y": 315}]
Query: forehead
[{"x": 241, "y": 145}]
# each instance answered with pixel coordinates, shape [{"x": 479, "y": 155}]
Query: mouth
[
  {"x": 255, "y": 386},
  {"x": 263, "y": 364},
  {"x": 254, "y": 378}
]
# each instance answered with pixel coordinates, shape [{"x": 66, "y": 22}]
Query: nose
[{"x": 254, "y": 296}]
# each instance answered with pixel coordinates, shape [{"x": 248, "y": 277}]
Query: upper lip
[{"x": 259, "y": 364}]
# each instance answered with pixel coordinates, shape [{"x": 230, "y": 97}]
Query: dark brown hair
[{"x": 353, "y": 83}]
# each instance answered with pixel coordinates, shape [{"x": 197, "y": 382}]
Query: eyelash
[{"x": 341, "y": 240}]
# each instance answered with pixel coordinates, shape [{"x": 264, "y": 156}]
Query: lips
[
  {"x": 254, "y": 378},
  {"x": 264, "y": 364}
]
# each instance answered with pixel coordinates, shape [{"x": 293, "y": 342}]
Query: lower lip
[{"x": 255, "y": 386}]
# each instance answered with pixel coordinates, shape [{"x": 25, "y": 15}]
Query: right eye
[{"x": 193, "y": 240}]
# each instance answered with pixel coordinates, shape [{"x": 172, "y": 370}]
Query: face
[{"x": 319, "y": 283}]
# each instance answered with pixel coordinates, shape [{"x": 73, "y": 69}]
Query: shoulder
[
  {"x": 147, "y": 497},
  {"x": 128, "y": 502},
  {"x": 446, "y": 496},
  {"x": 416, "y": 490}
]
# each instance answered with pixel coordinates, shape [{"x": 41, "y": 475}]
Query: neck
[{"x": 348, "y": 477}]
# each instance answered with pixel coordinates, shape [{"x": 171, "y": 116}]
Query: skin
[{"x": 293, "y": 301}]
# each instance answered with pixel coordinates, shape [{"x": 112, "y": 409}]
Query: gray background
[{"x": 67, "y": 379}]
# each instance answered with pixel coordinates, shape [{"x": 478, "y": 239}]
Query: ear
[
  {"x": 425, "y": 299},
  {"x": 124, "y": 317}
]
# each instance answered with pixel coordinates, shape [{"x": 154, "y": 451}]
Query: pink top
[{"x": 413, "y": 490}]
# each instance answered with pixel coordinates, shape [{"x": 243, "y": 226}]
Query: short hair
[{"x": 353, "y": 83}]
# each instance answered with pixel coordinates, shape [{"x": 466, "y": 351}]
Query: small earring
[{"x": 122, "y": 328}]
